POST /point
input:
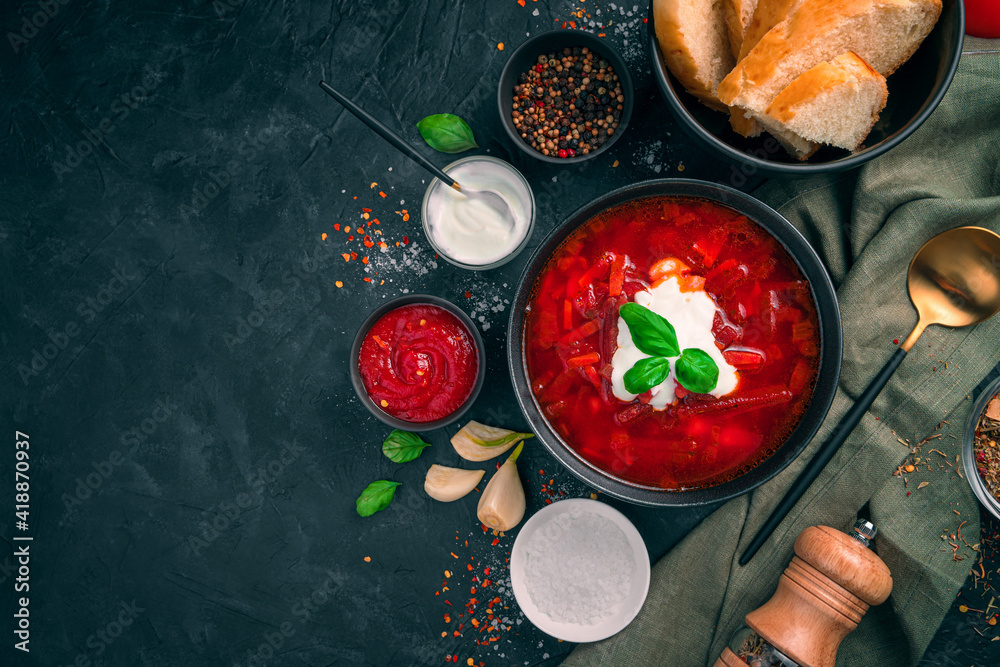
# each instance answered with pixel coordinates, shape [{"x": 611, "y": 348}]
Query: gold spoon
[{"x": 954, "y": 281}]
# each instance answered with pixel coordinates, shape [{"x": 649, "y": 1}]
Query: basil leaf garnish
[
  {"x": 376, "y": 497},
  {"x": 402, "y": 446},
  {"x": 696, "y": 371},
  {"x": 650, "y": 332},
  {"x": 447, "y": 133},
  {"x": 646, "y": 374}
]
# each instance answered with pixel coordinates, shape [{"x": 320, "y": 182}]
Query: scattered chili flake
[
  {"x": 382, "y": 194},
  {"x": 367, "y": 279},
  {"x": 339, "y": 284},
  {"x": 351, "y": 237},
  {"x": 336, "y": 227},
  {"x": 354, "y": 256},
  {"x": 368, "y": 241},
  {"x": 447, "y": 573},
  {"x": 372, "y": 186},
  {"x": 469, "y": 566},
  {"x": 453, "y": 554},
  {"x": 520, "y": 2},
  {"x": 895, "y": 341},
  {"x": 368, "y": 559},
  {"x": 323, "y": 236},
  {"x": 365, "y": 216},
  {"x": 406, "y": 240},
  {"x": 347, "y": 229},
  {"x": 346, "y": 256},
  {"x": 364, "y": 260},
  {"x": 496, "y": 541},
  {"x": 468, "y": 295},
  {"x": 366, "y": 210}
]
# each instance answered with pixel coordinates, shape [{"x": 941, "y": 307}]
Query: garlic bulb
[
  {"x": 448, "y": 484},
  {"x": 501, "y": 506},
  {"x": 479, "y": 442}
]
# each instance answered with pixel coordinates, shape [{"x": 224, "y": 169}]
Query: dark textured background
[{"x": 172, "y": 326}]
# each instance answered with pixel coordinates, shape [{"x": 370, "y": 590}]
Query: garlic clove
[
  {"x": 501, "y": 507},
  {"x": 448, "y": 484},
  {"x": 479, "y": 442}
]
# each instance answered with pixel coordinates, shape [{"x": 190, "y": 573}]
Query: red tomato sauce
[
  {"x": 766, "y": 327},
  {"x": 419, "y": 363}
]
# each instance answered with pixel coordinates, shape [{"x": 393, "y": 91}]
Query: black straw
[{"x": 386, "y": 133}]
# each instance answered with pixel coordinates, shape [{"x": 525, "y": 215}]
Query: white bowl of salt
[{"x": 579, "y": 570}]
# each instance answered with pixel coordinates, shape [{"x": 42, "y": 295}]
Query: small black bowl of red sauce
[{"x": 417, "y": 362}]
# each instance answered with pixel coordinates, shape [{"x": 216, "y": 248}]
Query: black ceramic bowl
[
  {"x": 359, "y": 386},
  {"x": 831, "y": 344},
  {"x": 915, "y": 90},
  {"x": 979, "y": 488},
  {"x": 526, "y": 55}
]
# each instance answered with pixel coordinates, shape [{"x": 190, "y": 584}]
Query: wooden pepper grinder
[{"x": 821, "y": 597}]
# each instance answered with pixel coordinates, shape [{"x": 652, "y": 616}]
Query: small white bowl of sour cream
[{"x": 469, "y": 234}]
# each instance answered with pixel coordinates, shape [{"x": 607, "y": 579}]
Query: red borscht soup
[{"x": 764, "y": 328}]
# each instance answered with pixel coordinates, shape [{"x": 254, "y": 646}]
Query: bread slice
[
  {"x": 798, "y": 147},
  {"x": 883, "y": 32},
  {"x": 835, "y": 102},
  {"x": 766, "y": 15},
  {"x": 738, "y": 15},
  {"x": 694, "y": 44}
]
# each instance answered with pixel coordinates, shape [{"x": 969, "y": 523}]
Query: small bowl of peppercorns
[{"x": 565, "y": 96}]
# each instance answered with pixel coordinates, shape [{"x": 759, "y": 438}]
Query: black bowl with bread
[{"x": 801, "y": 87}]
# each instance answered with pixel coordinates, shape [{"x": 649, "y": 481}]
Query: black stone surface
[{"x": 175, "y": 338}]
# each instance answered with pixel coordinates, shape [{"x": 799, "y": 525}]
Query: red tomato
[{"x": 982, "y": 18}]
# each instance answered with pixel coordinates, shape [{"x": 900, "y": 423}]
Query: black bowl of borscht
[
  {"x": 417, "y": 362},
  {"x": 675, "y": 343}
]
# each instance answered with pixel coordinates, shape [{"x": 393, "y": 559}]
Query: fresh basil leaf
[
  {"x": 650, "y": 332},
  {"x": 447, "y": 133},
  {"x": 646, "y": 374},
  {"x": 696, "y": 371},
  {"x": 402, "y": 446},
  {"x": 376, "y": 497}
]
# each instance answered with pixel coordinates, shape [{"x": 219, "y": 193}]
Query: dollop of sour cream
[
  {"x": 691, "y": 314},
  {"x": 469, "y": 231}
]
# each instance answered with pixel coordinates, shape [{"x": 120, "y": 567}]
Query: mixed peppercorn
[{"x": 568, "y": 104}]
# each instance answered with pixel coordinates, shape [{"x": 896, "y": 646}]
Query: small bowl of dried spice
[
  {"x": 565, "y": 96},
  {"x": 981, "y": 449}
]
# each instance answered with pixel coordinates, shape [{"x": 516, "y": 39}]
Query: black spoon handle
[
  {"x": 386, "y": 133},
  {"x": 825, "y": 453}
]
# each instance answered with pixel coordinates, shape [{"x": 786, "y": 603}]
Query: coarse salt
[{"x": 579, "y": 568}]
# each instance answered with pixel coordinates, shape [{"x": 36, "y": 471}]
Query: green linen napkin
[{"x": 866, "y": 225}]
